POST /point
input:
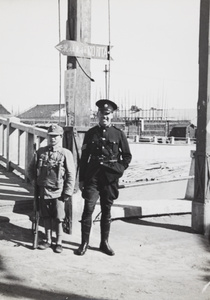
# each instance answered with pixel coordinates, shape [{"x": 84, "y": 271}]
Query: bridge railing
[{"x": 17, "y": 143}]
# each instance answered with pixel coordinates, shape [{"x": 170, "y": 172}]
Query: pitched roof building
[
  {"x": 4, "y": 112},
  {"x": 46, "y": 113}
]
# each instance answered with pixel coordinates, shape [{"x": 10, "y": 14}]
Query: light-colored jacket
[{"x": 54, "y": 171}]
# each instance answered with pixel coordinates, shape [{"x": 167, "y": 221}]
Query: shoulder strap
[{"x": 78, "y": 156}]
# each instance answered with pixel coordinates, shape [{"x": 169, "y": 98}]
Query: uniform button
[
  {"x": 102, "y": 147},
  {"x": 101, "y": 163}
]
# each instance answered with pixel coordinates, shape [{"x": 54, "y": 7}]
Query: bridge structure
[
  {"x": 17, "y": 145},
  {"x": 19, "y": 141}
]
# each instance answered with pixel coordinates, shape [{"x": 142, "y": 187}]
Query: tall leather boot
[
  {"x": 104, "y": 245},
  {"x": 86, "y": 227}
]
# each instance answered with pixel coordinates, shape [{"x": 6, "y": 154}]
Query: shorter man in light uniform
[{"x": 55, "y": 173}]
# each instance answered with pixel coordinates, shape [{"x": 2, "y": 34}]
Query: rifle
[
  {"x": 35, "y": 223},
  {"x": 67, "y": 223}
]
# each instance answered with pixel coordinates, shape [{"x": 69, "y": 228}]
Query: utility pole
[
  {"x": 201, "y": 201},
  {"x": 78, "y": 29},
  {"x": 77, "y": 86},
  {"x": 77, "y": 82}
]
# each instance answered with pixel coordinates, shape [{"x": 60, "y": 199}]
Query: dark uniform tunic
[{"x": 105, "y": 156}]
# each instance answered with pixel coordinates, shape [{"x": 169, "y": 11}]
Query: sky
[{"x": 155, "y": 52}]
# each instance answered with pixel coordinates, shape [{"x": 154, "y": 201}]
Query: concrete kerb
[
  {"x": 136, "y": 208},
  {"x": 145, "y": 182},
  {"x": 121, "y": 208}
]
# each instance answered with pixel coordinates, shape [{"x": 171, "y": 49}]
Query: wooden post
[
  {"x": 77, "y": 85},
  {"x": 201, "y": 201},
  {"x": 29, "y": 151},
  {"x": 12, "y": 139},
  {"x": 79, "y": 29}
]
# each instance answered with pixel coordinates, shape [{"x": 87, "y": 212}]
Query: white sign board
[{"x": 74, "y": 48}]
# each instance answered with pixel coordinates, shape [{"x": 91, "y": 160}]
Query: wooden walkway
[{"x": 15, "y": 194}]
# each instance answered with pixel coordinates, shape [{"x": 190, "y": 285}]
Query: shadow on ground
[
  {"x": 162, "y": 225},
  {"x": 157, "y": 222},
  {"x": 18, "y": 235},
  {"x": 23, "y": 292}
]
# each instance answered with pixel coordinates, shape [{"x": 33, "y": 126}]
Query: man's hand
[
  {"x": 66, "y": 197},
  {"x": 32, "y": 182},
  {"x": 81, "y": 185}
]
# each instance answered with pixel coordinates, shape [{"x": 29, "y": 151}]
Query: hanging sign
[
  {"x": 74, "y": 48},
  {"x": 69, "y": 89}
]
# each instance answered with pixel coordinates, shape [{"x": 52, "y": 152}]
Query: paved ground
[{"x": 157, "y": 257}]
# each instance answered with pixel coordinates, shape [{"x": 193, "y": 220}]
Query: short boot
[
  {"x": 86, "y": 227},
  {"x": 104, "y": 245}
]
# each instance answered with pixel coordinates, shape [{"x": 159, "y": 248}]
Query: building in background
[
  {"x": 44, "y": 114},
  {"x": 143, "y": 123},
  {"x": 4, "y": 112}
]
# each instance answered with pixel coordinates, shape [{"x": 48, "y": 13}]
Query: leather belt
[{"x": 103, "y": 159}]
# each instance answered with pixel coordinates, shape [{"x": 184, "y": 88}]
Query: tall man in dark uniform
[{"x": 105, "y": 156}]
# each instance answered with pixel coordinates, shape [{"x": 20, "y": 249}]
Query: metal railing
[{"x": 161, "y": 139}]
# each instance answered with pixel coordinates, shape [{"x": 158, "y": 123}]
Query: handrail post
[
  {"x": 11, "y": 149},
  {"x": 29, "y": 151}
]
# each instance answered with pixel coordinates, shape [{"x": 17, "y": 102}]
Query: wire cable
[
  {"x": 109, "y": 48},
  {"x": 84, "y": 70},
  {"x": 59, "y": 34}
]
